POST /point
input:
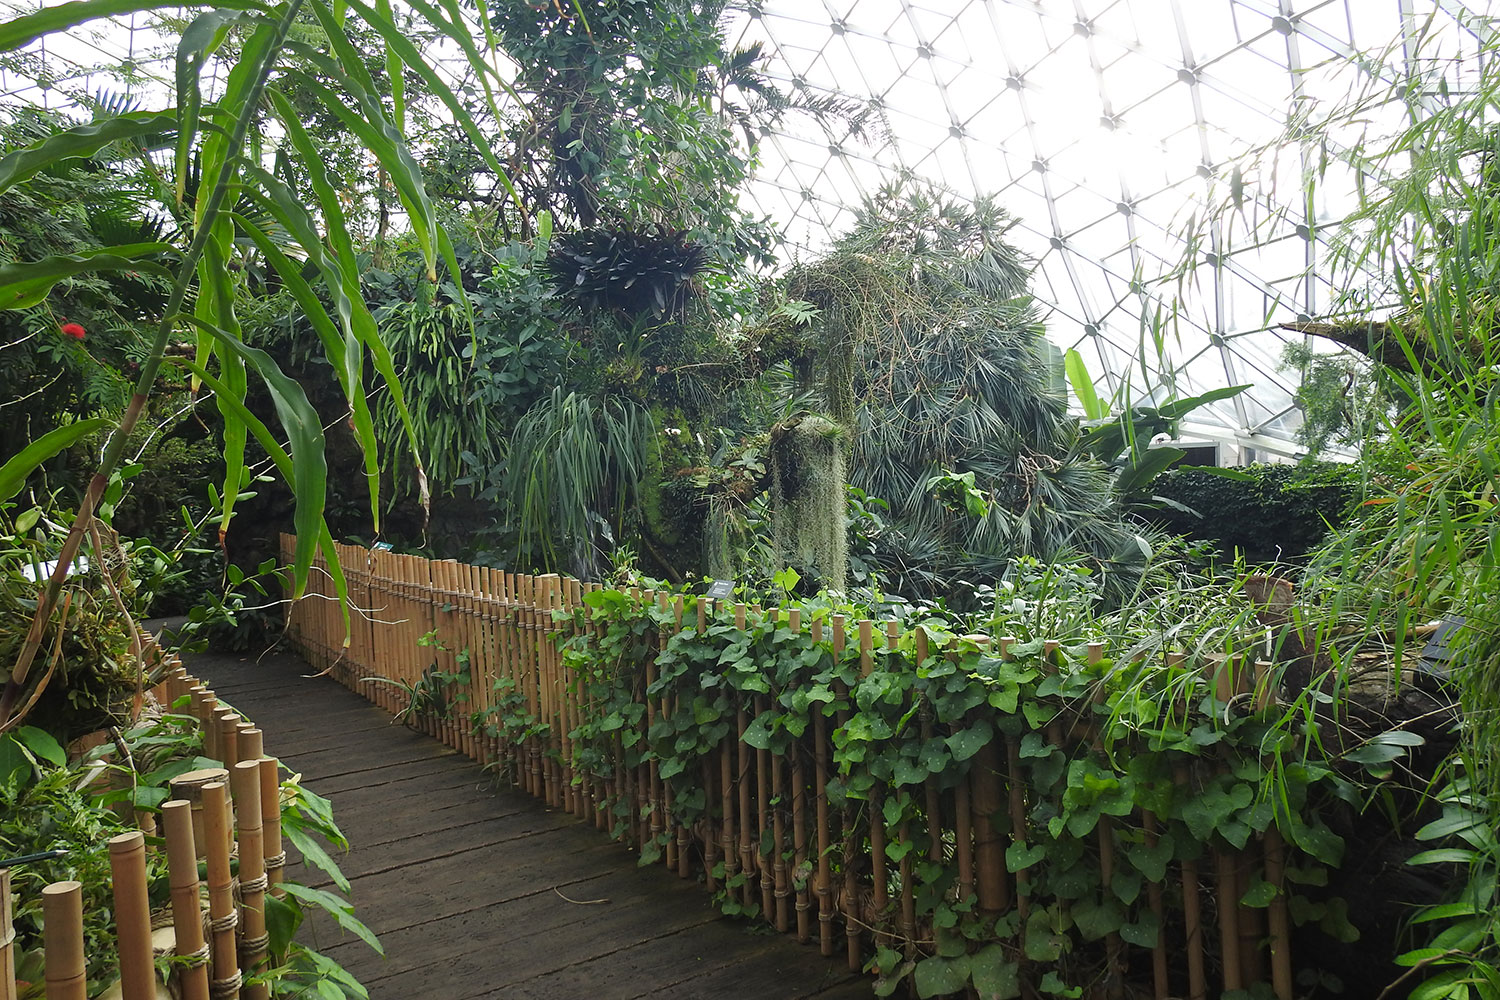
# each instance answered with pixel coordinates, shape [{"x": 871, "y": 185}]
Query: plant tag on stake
[
  {"x": 381, "y": 547},
  {"x": 720, "y": 590}
]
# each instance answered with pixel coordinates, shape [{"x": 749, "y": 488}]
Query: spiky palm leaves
[
  {"x": 949, "y": 373},
  {"x": 573, "y": 468}
]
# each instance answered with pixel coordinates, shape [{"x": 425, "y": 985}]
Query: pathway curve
[{"x": 478, "y": 892}]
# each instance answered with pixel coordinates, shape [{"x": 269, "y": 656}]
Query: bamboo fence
[
  {"x": 816, "y": 871},
  {"x": 211, "y": 935}
]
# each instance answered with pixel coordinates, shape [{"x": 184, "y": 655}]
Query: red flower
[{"x": 73, "y": 330}]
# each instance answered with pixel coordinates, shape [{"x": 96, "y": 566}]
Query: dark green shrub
[{"x": 1278, "y": 513}]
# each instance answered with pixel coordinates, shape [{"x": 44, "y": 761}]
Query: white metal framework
[{"x": 1103, "y": 126}]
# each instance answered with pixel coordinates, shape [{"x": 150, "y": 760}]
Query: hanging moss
[{"x": 807, "y": 491}]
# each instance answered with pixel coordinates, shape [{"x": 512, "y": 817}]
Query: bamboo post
[
  {"x": 252, "y": 742},
  {"x": 252, "y": 874},
  {"x": 62, "y": 939},
  {"x": 1279, "y": 917},
  {"x": 748, "y": 891},
  {"x": 228, "y": 723},
  {"x": 187, "y": 919},
  {"x": 1017, "y": 792},
  {"x": 7, "y": 940},
  {"x": 781, "y": 884},
  {"x": 824, "y": 886},
  {"x": 1192, "y": 915},
  {"x": 127, "y": 873},
  {"x": 270, "y": 823},
  {"x": 1161, "y": 987},
  {"x": 800, "y": 875},
  {"x": 764, "y": 826},
  {"x": 848, "y": 836},
  {"x": 221, "y": 913},
  {"x": 653, "y": 771},
  {"x": 880, "y": 880},
  {"x": 189, "y": 786}
]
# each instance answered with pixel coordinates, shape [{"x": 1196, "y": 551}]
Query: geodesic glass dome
[{"x": 1107, "y": 128}]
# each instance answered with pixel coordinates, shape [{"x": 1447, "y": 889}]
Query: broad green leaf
[
  {"x": 341, "y": 910},
  {"x": 42, "y": 744},
  {"x": 282, "y": 921},
  {"x": 414, "y": 61},
  {"x": 1083, "y": 386},
  {"x": 23, "y": 30},
  {"x": 966, "y": 743},
  {"x": 1144, "y": 931},
  {"x": 22, "y": 464},
  {"x": 24, "y": 284},
  {"x": 15, "y": 766},
  {"x": 309, "y": 479},
  {"x": 994, "y": 973},
  {"x": 80, "y": 141},
  {"x": 1181, "y": 407},
  {"x": 1151, "y": 463},
  {"x": 939, "y": 976},
  {"x": 200, "y": 39}
]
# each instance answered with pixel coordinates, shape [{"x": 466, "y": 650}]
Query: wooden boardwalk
[{"x": 481, "y": 892}]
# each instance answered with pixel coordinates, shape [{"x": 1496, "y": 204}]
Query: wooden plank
[{"x": 466, "y": 884}]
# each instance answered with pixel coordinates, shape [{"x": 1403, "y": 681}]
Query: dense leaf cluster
[{"x": 1096, "y": 744}]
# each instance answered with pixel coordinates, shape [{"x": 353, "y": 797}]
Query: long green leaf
[
  {"x": 200, "y": 39},
  {"x": 413, "y": 59},
  {"x": 1180, "y": 407},
  {"x": 24, "y": 284},
  {"x": 23, "y": 30},
  {"x": 80, "y": 141},
  {"x": 22, "y": 464},
  {"x": 343, "y": 353},
  {"x": 215, "y": 307},
  {"x": 381, "y": 139},
  {"x": 286, "y": 467},
  {"x": 1155, "y": 461},
  {"x": 309, "y": 478},
  {"x": 342, "y": 280},
  {"x": 1083, "y": 386}
]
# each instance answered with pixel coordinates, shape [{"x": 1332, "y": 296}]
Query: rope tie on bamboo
[
  {"x": 194, "y": 959},
  {"x": 227, "y": 922},
  {"x": 252, "y": 945},
  {"x": 226, "y": 989},
  {"x": 259, "y": 883},
  {"x": 276, "y": 862}
]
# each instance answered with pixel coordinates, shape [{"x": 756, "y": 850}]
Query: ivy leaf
[
  {"x": 1144, "y": 931},
  {"x": 909, "y": 772},
  {"x": 1042, "y": 943},
  {"x": 1259, "y": 895},
  {"x": 1037, "y": 713},
  {"x": 1019, "y": 856},
  {"x": 1095, "y": 918},
  {"x": 970, "y": 741},
  {"x": 41, "y": 743},
  {"x": 1152, "y": 861},
  {"x": 758, "y": 733},
  {"x": 1005, "y": 698},
  {"x": 937, "y": 976},
  {"x": 994, "y": 975}
]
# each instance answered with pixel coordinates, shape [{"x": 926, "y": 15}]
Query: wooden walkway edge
[{"x": 478, "y": 892}]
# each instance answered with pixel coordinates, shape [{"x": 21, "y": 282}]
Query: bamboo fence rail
[
  {"x": 212, "y": 938},
  {"x": 438, "y": 643}
]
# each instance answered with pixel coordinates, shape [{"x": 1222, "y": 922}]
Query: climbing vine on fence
[{"x": 1122, "y": 781}]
